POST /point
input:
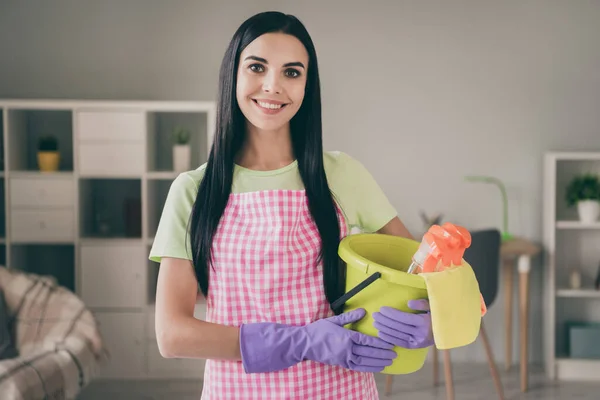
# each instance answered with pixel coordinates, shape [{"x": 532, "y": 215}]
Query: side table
[{"x": 517, "y": 252}]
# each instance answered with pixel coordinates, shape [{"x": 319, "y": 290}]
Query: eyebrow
[{"x": 262, "y": 60}]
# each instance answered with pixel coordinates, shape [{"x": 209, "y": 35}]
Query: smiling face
[{"x": 271, "y": 80}]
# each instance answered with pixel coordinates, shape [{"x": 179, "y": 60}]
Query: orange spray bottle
[{"x": 442, "y": 247}]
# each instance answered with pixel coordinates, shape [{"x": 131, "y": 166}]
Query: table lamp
[{"x": 495, "y": 181}]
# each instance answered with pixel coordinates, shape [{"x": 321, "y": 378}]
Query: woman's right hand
[{"x": 267, "y": 347}]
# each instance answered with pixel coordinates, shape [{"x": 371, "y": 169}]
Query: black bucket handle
[{"x": 354, "y": 291}]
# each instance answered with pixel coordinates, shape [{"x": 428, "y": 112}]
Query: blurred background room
[{"x": 103, "y": 103}]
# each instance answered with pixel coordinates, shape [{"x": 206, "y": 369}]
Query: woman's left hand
[{"x": 411, "y": 331}]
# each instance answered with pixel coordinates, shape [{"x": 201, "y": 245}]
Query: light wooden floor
[{"x": 472, "y": 382}]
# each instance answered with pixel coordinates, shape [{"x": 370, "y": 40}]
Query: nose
[{"x": 272, "y": 83}]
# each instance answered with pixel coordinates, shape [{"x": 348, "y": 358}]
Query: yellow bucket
[{"x": 391, "y": 256}]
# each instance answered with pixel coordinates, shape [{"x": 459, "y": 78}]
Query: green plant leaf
[
  {"x": 583, "y": 187},
  {"x": 180, "y": 135},
  {"x": 47, "y": 143}
]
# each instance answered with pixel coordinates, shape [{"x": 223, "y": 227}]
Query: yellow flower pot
[{"x": 48, "y": 161}]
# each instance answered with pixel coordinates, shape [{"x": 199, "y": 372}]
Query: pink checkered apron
[{"x": 265, "y": 269}]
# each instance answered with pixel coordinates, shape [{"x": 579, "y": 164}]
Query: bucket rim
[{"x": 356, "y": 261}]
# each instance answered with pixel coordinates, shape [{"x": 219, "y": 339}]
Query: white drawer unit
[
  {"x": 113, "y": 275},
  {"x": 111, "y": 159},
  {"x": 123, "y": 336},
  {"x": 111, "y": 125},
  {"x": 42, "y": 226},
  {"x": 41, "y": 192},
  {"x": 89, "y": 221}
]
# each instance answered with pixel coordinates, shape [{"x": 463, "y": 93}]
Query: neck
[{"x": 266, "y": 150}]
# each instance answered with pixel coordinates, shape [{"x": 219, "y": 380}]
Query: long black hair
[{"x": 307, "y": 143}]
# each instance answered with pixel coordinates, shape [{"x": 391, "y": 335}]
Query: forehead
[{"x": 277, "y": 49}]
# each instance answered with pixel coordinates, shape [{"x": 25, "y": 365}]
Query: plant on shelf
[
  {"x": 181, "y": 135},
  {"x": 48, "y": 156},
  {"x": 181, "y": 149},
  {"x": 584, "y": 192}
]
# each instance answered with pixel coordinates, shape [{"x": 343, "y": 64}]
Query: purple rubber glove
[
  {"x": 268, "y": 347},
  {"x": 411, "y": 331}
]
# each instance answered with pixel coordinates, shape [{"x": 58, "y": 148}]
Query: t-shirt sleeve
[
  {"x": 172, "y": 238},
  {"x": 362, "y": 199}
]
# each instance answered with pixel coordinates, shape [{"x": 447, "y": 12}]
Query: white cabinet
[
  {"x": 111, "y": 143},
  {"x": 111, "y": 159},
  {"x": 42, "y": 209},
  {"x": 42, "y": 226},
  {"x": 113, "y": 275},
  {"x": 111, "y": 126},
  {"x": 571, "y": 244},
  {"x": 123, "y": 335},
  {"x": 31, "y": 192},
  {"x": 90, "y": 224}
]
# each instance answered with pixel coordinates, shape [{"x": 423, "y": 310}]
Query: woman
[{"x": 257, "y": 229}]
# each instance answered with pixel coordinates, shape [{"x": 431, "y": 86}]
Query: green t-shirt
[{"x": 360, "y": 198}]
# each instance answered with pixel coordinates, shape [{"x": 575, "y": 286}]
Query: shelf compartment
[
  {"x": 577, "y": 369},
  {"x": 579, "y": 293},
  {"x": 577, "y": 249},
  {"x": 568, "y": 311},
  {"x": 57, "y": 261},
  {"x": 160, "y": 143},
  {"x": 26, "y": 127},
  {"x": 575, "y": 224},
  {"x": 157, "y": 195},
  {"x": 582, "y": 340},
  {"x": 2, "y": 209},
  {"x": 3, "y": 255},
  {"x": 110, "y": 208},
  {"x": 566, "y": 170}
]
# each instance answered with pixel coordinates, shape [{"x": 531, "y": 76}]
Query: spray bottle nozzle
[{"x": 443, "y": 245}]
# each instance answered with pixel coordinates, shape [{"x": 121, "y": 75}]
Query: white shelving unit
[
  {"x": 91, "y": 224},
  {"x": 569, "y": 244}
]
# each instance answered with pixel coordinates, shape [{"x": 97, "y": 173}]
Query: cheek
[
  {"x": 246, "y": 86},
  {"x": 296, "y": 93},
  {"x": 241, "y": 89}
]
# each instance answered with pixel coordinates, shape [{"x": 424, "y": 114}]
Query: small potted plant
[
  {"x": 584, "y": 192},
  {"x": 48, "y": 156},
  {"x": 181, "y": 149}
]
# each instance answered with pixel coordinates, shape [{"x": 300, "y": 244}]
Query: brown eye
[
  {"x": 256, "y": 68},
  {"x": 292, "y": 73}
]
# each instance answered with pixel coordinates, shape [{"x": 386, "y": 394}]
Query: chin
[
  {"x": 268, "y": 122},
  {"x": 263, "y": 125}
]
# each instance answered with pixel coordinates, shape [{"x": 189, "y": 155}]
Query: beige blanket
[{"x": 57, "y": 337}]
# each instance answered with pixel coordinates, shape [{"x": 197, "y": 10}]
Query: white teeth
[{"x": 269, "y": 105}]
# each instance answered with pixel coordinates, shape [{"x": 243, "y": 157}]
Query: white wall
[{"x": 422, "y": 92}]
